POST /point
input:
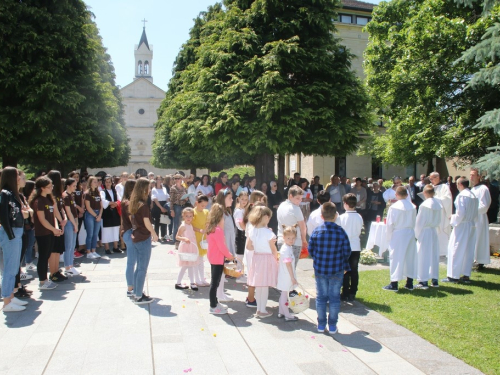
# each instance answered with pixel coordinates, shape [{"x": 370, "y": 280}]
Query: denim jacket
[{"x": 11, "y": 215}]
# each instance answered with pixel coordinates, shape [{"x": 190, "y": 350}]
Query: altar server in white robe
[
  {"x": 443, "y": 193},
  {"x": 401, "y": 238},
  {"x": 482, "y": 248},
  {"x": 426, "y": 232},
  {"x": 390, "y": 194},
  {"x": 463, "y": 237}
]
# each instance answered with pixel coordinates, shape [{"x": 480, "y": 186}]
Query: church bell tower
[{"x": 144, "y": 57}]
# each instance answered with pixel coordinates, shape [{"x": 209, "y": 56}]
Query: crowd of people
[{"x": 261, "y": 233}]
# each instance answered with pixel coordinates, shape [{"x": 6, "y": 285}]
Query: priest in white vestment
[
  {"x": 482, "y": 193},
  {"x": 443, "y": 193},
  {"x": 426, "y": 232},
  {"x": 463, "y": 238},
  {"x": 401, "y": 239},
  {"x": 390, "y": 194}
]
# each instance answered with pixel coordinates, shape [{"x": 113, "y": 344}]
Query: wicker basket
[
  {"x": 204, "y": 242},
  {"x": 188, "y": 257},
  {"x": 300, "y": 302},
  {"x": 232, "y": 272}
]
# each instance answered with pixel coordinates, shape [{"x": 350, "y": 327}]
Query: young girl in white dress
[
  {"x": 286, "y": 272},
  {"x": 264, "y": 268},
  {"x": 187, "y": 239},
  {"x": 239, "y": 213}
]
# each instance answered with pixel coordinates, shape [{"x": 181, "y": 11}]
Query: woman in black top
[
  {"x": 12, "y": 217},
  {"x": 274, "y": 198}
]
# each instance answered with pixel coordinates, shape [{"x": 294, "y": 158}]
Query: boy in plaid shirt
[{"x": 330, "y": 249}]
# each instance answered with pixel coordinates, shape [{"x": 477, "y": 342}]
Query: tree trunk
[
  {"x": 430, "y": 166},
  {"x": 193, "y": 171},
  {"x": 264, "y": 168},
  {"x": 281, "y": 173},
  {"x": 9, "y": 161}
]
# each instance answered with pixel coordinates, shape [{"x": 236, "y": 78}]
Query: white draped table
[{"x": 378, "y": 236}]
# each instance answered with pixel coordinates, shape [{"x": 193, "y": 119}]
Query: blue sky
[{"x": 120, "y": 26}]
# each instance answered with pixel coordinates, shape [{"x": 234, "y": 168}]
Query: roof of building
[
  {"x": 144, "y": 39},
  {"x": 357, "y": 5}
]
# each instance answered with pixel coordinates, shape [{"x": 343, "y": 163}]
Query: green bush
[{"x": 387, "y": 184}]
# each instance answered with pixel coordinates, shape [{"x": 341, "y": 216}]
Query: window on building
[
  {"x": 376, "y": 168},
  {"x": 146, "y": 68},
  {"x": 362, "y": 20},
  {"x": 340, "y": 165},
  {"x": 139, "y": 68},
  {"x": 344, "y": 18}
]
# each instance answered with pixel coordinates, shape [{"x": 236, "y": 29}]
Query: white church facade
[{"x": 141, "y": 99}]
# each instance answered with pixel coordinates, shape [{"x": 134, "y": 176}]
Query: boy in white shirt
[
  {"x": 315, "y": 218},
  {"x": 352, "y": 223}
]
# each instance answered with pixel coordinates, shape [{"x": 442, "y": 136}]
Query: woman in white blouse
[
  {"x": 110, "y": 218},
  {"x": 206, "y": 189},
  {"x": 159, "y": 198}
]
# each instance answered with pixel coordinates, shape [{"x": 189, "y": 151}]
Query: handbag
[
  {"x": 164, "y": 219},
  {"x": 299, "y": 302},
  {"x": 304, "y": 253}
]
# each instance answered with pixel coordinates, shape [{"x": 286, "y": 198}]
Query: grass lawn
[{"x": 463, "y": 320}]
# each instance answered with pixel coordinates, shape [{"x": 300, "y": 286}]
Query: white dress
[
  {"x": 463, "y": 238},
  {"x": 401, "y": 238},
  {"x": 426, "y": 233},
  {"x": 443, "y": 193},
  {"x": 482, "y": 248},
  {"x": 284, "y": 279}
]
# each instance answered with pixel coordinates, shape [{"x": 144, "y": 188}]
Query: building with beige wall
[{"x": 353, "y": 16}]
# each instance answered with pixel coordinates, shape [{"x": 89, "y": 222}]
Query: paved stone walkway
[{"x": 89, "y": 326}]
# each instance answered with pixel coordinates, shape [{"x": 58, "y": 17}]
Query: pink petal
[
  {"x": 313, "y": 337},
  {"x": 344, "y": 350},
  {"x": 320, "y": 345}
]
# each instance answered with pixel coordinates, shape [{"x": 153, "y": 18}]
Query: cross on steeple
[{"x": 144, "y": 22}]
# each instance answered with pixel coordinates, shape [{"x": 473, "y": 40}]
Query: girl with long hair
[
  {"x": 78, "y": 197},
  {"x": 12, "y": 217},
  {"x": 206, "y": 189},
  {"x": 126, "y": 232},
  {"x": 217, "y": 251},
  {"x": 221, "y": 182},
  {"x": 71, "y": 228},
  {"x": 60, "y": 214},
  {"x": 159, "y": 197},
  {"x": 30, "y": 232},
  {"x": 142, "y": 234},
  {"x": 46, "y": 227},
  {"x": 93, "y": 215}
]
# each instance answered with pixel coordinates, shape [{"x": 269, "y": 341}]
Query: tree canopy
[
  {"x": 59, "y": 105},
  {"x": 419, "y": 84},
  {"x": 261, "y": 77}
]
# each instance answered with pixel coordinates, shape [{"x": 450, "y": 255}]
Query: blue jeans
[
  {"x": 28, "y": 257},
  {"x": 177, "y": 219},
  {"x": 131, "y": 257},
  {"x": 11, "y": 259},
  {"x": 143, "y": 254},
  {"x": 328, "y": 290},
  {"x": 69, "y": 243},
  {"x": 92, "y": 228}
]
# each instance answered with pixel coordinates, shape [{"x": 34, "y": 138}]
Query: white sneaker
[
  {"x": 75, "y": 271},
  {"x": 25, "y": 276},
  {"x": 48, "y": 285},
  {"x": 219, "y": 310},
  {"x": 30, "y": 267},
  {"x": 17, "y": 301},
  {"x": 90, "y": 256},
  {"x": 225, "y": 299},
  {"x": 96, "y": 255},
  {"x": 12, "y": 307},
  {"x": 72, "y": 272}
]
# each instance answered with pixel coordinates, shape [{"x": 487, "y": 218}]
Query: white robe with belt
[
  {"x": 427, "y": 228},
  {"x": 443, "y": 193},
  {"x": 401, "y": 239},
  {"x": 482, "y": 248},
  {"x": 463, "y": 238}
]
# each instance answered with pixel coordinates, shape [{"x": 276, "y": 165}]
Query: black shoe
[
  {"x": 194, "y": 287},
  {"x": 22, "y": 293},
  {"x": 180, "y": 286},
  {"x": 117, "y": 251},
  {"x": 107, "y": 251},
  {"x": 449, "y": 280},
  {"x": 61, "y": 275},
  {"x": 465, "y": 279},
  {"x": 480, "y": 267},
  {"x": 351, "y": 297},
  {"x": 56, "y": 278},
  {"x": 409, "y": 286},
  {"x": 143, "y": 300},
  {"x": 343, "y": 297},
  {"x": 390, "y": 288},
  {"x": 435, "y": 283}
]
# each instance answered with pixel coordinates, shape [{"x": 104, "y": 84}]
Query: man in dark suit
[
  {"x": 413, "y": 191},
  {"x": 316, "y": 187}
]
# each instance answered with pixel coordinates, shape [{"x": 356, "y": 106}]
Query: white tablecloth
[{"x": 378, "y": 236}]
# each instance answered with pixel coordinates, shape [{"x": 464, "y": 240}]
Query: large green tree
[
  {"x": 260, "y": 78},
  {"x": 417, "y": 86},
  {"x": 59, "y": 106},
  {"x": 486, "y": 55}
]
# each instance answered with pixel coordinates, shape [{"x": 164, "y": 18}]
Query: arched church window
[
  {"x": 139, "y": 67},
  {"x": 146, "y": 68}
]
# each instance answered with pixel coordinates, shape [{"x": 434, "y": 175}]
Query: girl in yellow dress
[{"x": 199, "y": 225}]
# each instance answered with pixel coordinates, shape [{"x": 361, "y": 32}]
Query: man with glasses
[
  {"x": 443, "y": 193},
  {"x": 390, "y": 194}
]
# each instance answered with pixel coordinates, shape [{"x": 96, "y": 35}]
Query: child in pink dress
[
  {"x": 263, "y": 271},
  {"x": 187, "y": 245}
]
